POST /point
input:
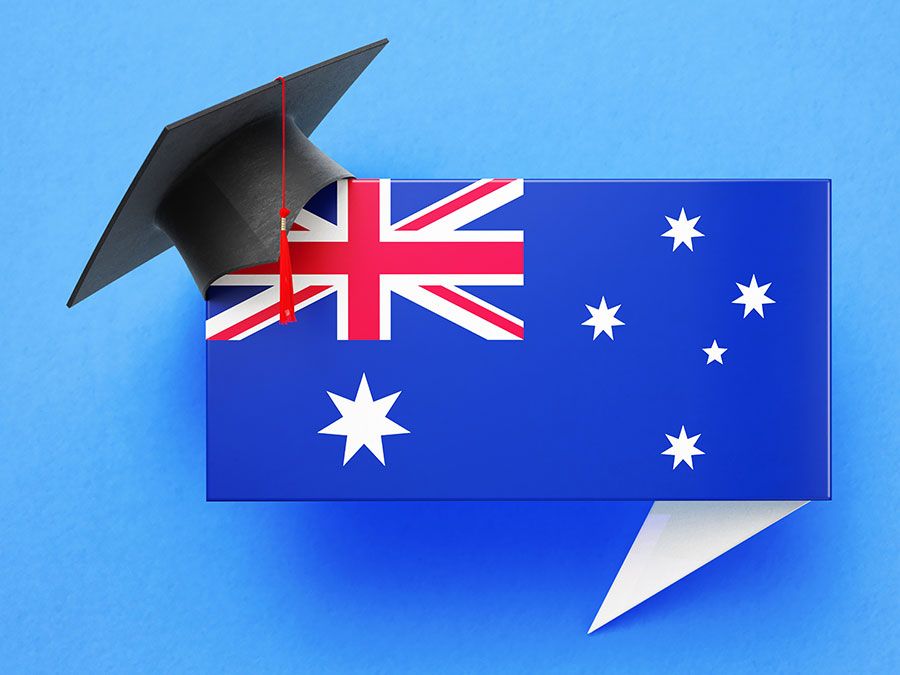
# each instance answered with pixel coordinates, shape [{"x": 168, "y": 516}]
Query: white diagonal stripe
[{"x": 446, "y": 200}]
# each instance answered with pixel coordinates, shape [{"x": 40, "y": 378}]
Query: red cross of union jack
[{"x": 364, "y": 259}]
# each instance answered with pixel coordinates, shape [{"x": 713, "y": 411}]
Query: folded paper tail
[{"x": 678, "y": 538}]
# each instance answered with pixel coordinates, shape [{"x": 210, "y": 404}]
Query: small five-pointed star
[
  {"x": 682, "y": 231},
  {"x": 363, "y": 421},
  {"x": 683, "y": 449},
  {"x": 714, "y": 353},
  {"x": 603, "y": 319},
  {"x": 753, "y": 297}
]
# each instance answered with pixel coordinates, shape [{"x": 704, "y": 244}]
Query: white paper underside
[{"x": 678, "y": 538}]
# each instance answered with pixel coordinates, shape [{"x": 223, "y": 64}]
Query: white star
[
  {"x": 682, "y": 231},
  {"x": 753, "y": 297},
  {"x": 714, "y": 353},
  {"x": 683, "y": 449},
  {"x": 363, "y": 421},
  {"x": 603, "y": 319}
]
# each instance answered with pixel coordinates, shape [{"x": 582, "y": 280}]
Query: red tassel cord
[
  {"x": 286, "y": 279},
  {"x": 285, "y": 275}
]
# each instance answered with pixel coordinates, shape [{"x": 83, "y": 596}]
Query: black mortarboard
[{"x": 211, "y": 183}]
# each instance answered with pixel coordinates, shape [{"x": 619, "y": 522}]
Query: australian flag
[{"x": 531, "y": 339}]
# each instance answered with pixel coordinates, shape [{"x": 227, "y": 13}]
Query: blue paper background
[{"x": 110, "y": 559}]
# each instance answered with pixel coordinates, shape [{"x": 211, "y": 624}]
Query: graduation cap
[{"x": 213, "y": 182}]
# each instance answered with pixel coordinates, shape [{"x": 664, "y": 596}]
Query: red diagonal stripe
[
  {"x": 456, "y": 204},
  {"x": 476, "y": 309}
]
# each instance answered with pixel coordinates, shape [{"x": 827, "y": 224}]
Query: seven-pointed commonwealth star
[
  {"x": 603, "y": 319},
  {"x": 714, "y": 353},
  {"x": 682, "y": 231},
  {"x": 683, "y": 449},
  {"x": 363, "y": 421},
  {"x": 753, "y": 297}
]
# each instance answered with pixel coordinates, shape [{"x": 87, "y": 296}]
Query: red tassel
[{"x": 286, "y": 277}]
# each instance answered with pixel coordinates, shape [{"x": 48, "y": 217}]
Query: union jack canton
[{"x": 365, "y": 257}]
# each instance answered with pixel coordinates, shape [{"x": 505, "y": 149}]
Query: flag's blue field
[{"x": 643, "y": 315}]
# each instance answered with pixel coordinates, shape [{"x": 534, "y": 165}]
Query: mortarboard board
[{"x": 210, "y": 183}]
